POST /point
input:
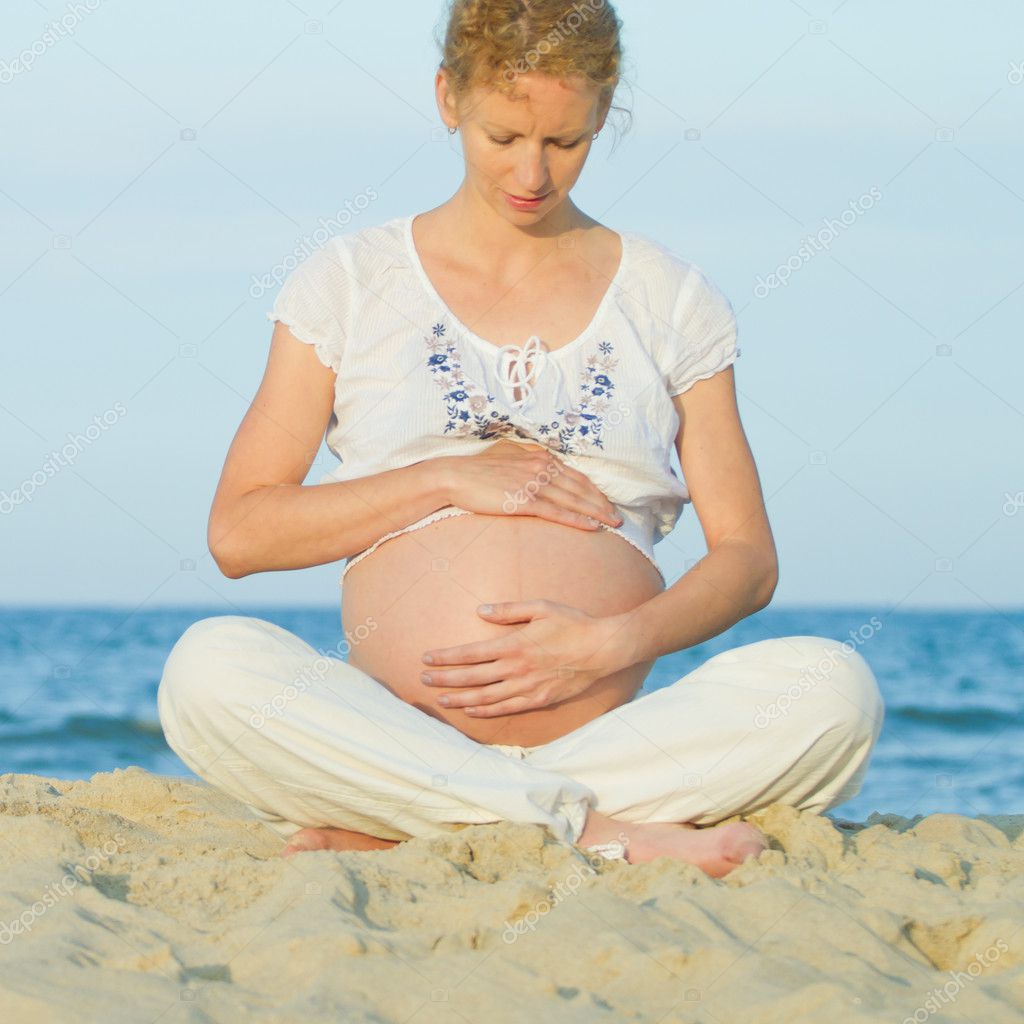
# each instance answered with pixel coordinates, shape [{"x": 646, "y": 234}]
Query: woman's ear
[
  {"x": 602, "y": 113},
  {"x": 445, "y": 100}
]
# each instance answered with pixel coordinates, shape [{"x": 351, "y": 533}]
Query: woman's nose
[{"x": 533, "y": 173}]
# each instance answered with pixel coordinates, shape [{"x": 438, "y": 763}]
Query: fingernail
[
  {"x": 428, "y": 658},
  {"x": 444, "y": 700},
  {"x": 425, "y": 677}
]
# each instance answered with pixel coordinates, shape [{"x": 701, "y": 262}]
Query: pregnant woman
[{"x": 503, "y": 380}]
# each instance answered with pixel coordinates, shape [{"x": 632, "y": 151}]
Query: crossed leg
[{"x": 329, "y": 758}]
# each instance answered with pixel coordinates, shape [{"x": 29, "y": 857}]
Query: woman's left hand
[{"x": 559, "y": 652}]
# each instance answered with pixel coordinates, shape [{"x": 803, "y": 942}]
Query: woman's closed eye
[{"x": 506, "y": 142}]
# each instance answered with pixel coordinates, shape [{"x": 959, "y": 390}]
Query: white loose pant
[{"x": 304, "y": 739}]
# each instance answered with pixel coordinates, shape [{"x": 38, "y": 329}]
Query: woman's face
[{"x": 532, "y": 146}]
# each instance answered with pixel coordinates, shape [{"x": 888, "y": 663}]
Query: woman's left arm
[{"x": 738, "y": 575}]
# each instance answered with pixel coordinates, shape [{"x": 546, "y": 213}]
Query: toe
[
  {"x": 746, "y": 842},
  {"x": 307, "y": 839}
]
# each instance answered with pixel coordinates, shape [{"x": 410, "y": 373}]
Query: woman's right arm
[{"x": 263, "y": 518}]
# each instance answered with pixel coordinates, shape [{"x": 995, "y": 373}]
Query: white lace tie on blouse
[{"x": 520, "y": 369}]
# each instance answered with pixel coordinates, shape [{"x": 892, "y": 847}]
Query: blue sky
[{"x": 160, "y": 155}]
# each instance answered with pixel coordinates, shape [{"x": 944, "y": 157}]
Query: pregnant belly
[{"x": 420, "y": 590}]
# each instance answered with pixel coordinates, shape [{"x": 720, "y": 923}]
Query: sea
[{"x": 78, "y": 693}]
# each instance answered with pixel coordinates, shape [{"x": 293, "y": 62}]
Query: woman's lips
[{"x": 525, "y": 203}]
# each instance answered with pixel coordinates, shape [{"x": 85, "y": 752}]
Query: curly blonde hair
[{"x": 490, "y": 43}]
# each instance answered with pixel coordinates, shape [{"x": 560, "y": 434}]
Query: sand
[{"x": 139, "y": 898}]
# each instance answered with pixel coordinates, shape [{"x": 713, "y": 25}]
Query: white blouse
[{"x": 414, "y": 383}]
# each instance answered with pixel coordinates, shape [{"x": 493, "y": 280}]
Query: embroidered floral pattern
[{"x": 473, "y": 412}]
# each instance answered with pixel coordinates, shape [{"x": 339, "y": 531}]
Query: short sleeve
[
  {"x": 702, "y": 334},
  {"x": 313, "y": 304}
]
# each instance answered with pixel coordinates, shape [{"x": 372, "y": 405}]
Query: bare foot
[
  {"x": 716, "y": 850},
  {"x": 334, "y": 839}
]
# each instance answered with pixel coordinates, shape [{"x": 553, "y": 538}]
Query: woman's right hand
[{"x": 514, "y": 479}]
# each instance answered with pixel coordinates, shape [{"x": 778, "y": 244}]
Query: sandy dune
[{"x": 138, "y": 898}]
